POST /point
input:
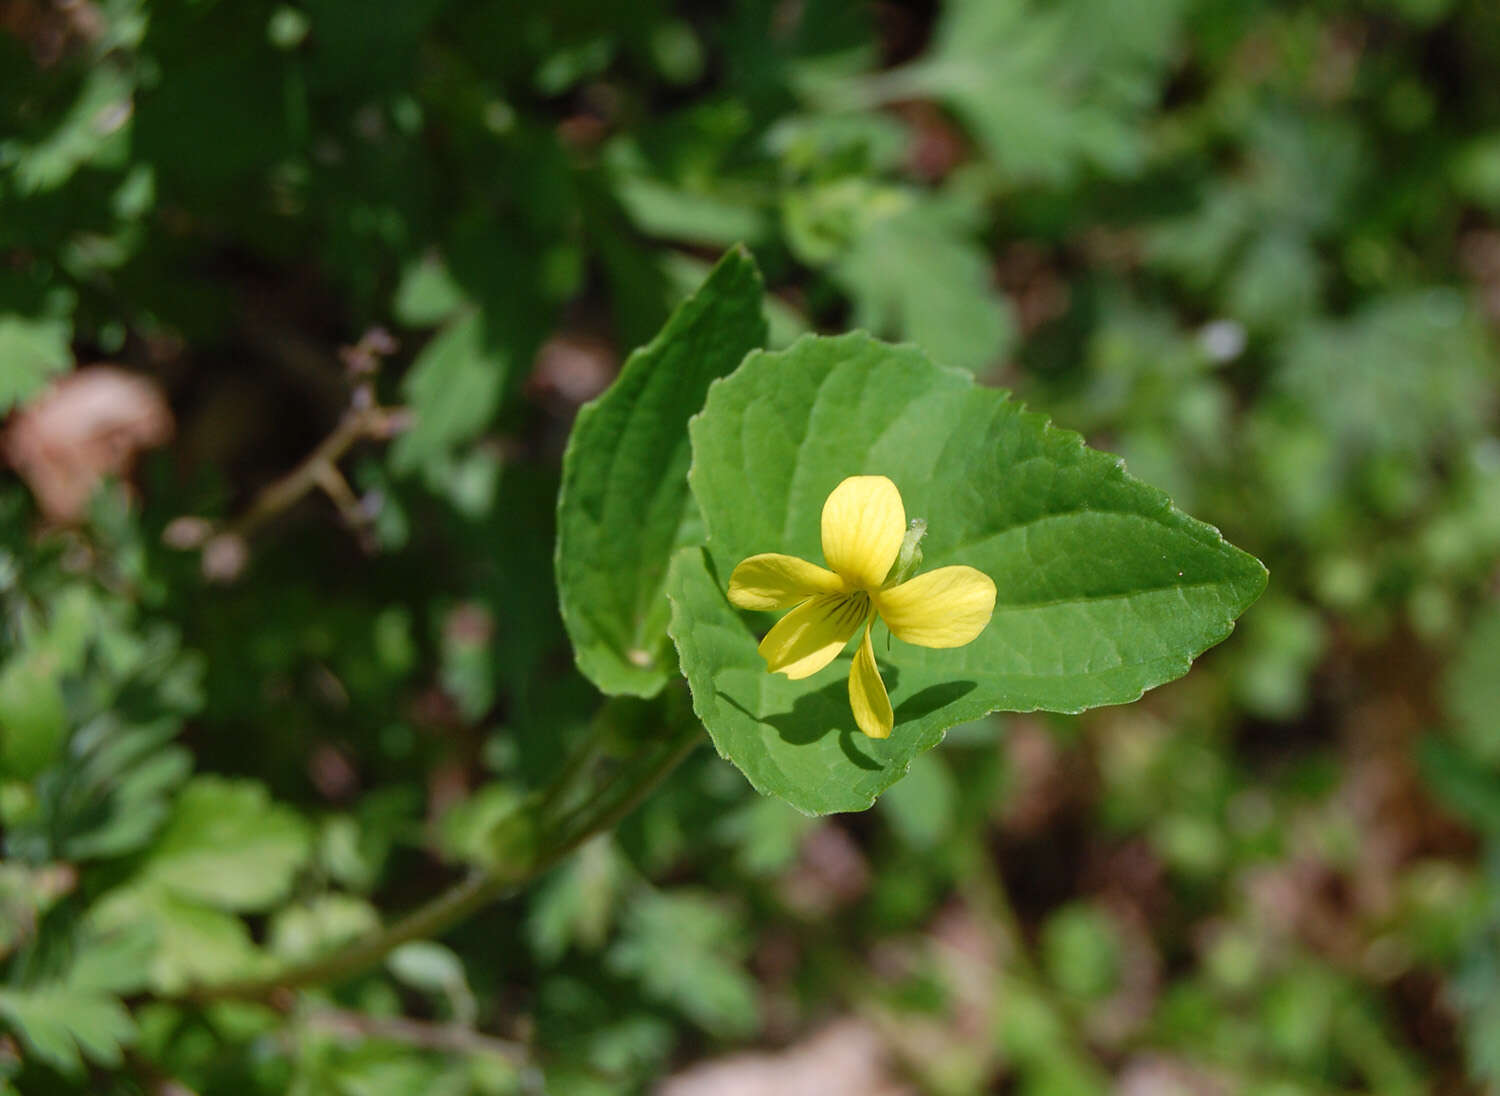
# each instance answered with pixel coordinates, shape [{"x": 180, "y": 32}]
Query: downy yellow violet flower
[{"x": 864, "y": 532}]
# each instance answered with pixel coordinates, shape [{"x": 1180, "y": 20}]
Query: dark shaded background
[{"x": 1253, "y": 247}]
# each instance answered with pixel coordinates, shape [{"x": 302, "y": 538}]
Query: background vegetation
[{"x": 285, "y": 674}]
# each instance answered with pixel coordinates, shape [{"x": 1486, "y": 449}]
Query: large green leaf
[
  {"x": 1105, "y": 590},
  {"x": 624, "y": 506}
]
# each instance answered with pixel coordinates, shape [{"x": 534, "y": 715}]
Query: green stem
[
  {"x": 481, "y": 887},
  {"x": 577, "y": 763}
]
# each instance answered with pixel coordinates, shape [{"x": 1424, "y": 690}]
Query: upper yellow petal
[
  {"x": 867, "y": 695},
  {"x": 863, "y": 525},
  {"x": 774, "y": 581},
  {"x": 811, "y": 635},
  {"x": 943, "y": 608}
]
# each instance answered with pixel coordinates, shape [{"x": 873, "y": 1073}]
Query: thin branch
[
  {"x": 476, "y": 891},
  {"x": 223, "y": 543},
  {"x": 358, "y": 424},
  {"x": 452, "y": 1038}
]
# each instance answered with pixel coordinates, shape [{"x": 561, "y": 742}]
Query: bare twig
[
  {"x": 452, "y": 1038},
  {"x": 224, "y": 546},
  {"x": 318, "y": 469}
]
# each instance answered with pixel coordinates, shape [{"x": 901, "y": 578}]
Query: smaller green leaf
[
  {"x": 31, "y": 350},
  {"x": 63, "y": 1025},
  {"x": 95, "y": 125},
  {"x": 1405, "y": 375},
  {"x": 575, "y": 903},
  {"x": 1476, "y": 170},
  {"x": 427, "y": 966},
  {"x": 685, "y": 274},
  {"x": 191, "y": 944},
  {"x": 435, "y": 969},
  {"x": 427, "y": 293},
  {"x": 453, "y": 390},
  {"x": 122, "y": 784},
  {"x": 306, "y": 930},
  {"x": 716, "y": 220},
  {"x": 1081, "y": 951},
  {"x": 624, "y": 505},
  {"x": 1047, "y": 88},
  {"x": 228, "y": 846},
  {"x": 915, "y": 275},
  {"x": 79, "y": 1016},
  {"x": 683, "y": 947},
  {"x": 1472, "y": 688},
  {"x": 33, "y": 718},
  {"x": 1277, "y": 282},
  {"x": 1469, "y": 790}
]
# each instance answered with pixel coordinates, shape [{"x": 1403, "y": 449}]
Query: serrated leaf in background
[
  {"x": 79, "y": 1016},
  {"x": 191, "y": 944},
  {"x": 227, "y": 845},
  {"x": 1408, "y": 374},
  {"x": 916, "y": 275},
  {"x": 1049, "y": 90},
  {"x": 1252, "y": 238},
  {"x": 575, "y": 904},
  {"x": 121, "y": 789},
  {"x": 683, "y": 949},
  {"x": 64, "y": 1025}
]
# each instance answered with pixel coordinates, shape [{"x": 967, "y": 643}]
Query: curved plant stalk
[{"x": 633, "y": 760}]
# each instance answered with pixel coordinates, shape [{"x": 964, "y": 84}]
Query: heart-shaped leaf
[{"x": 1105, "y": 589}]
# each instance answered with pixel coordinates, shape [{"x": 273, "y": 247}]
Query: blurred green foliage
[{"x": 1253, "y": 247}]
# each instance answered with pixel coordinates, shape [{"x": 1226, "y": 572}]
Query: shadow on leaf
[
  {"x": 826, "y": 711},
  {"x": 931, "y": 699}
]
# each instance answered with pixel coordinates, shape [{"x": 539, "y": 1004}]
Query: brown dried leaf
[{"x": 89, "y": 424}]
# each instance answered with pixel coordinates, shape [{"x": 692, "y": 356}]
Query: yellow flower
[{"x": 864, "y": 525}]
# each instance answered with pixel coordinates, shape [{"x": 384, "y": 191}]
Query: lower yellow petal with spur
[
  {"x": 944, "y": 608},
  {"x": 812, "y": 635},
  {"x": 774, "y": 581},
  {"x": 867, "y": 695},
  {"x": 864, "y": 523}
]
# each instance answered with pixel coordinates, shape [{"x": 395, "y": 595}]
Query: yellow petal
[
  {"x": 943, "y": 608},
  {"x": 863, "y": 524},
  {"x": 811, "y": 635},
  {"x": 775, "y": 581},
  {"x": 867, "y": 695}
]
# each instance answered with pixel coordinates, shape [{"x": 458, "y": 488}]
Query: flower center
[{"x": 855, "y": 608}]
